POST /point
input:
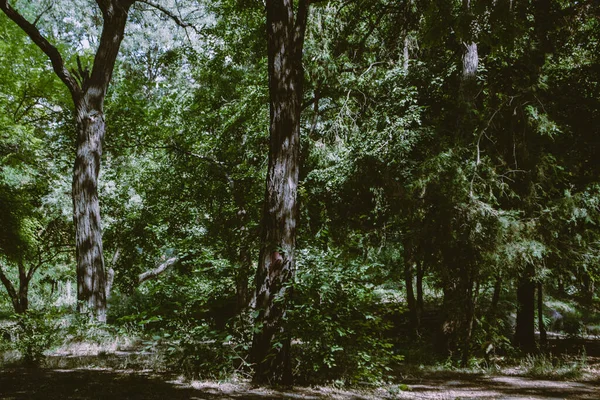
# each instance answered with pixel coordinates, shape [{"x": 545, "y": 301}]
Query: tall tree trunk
[
  {"x": 525, "y": 329},
  {"x": 540, "y": 310},
  {"x": 276, "y": 264},
  {"x": 91, "y": 281}
]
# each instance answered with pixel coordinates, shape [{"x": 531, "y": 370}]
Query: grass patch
[{"x": 543, "y": 366}]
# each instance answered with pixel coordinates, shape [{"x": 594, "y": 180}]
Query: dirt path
[{"x": 54, "y": 384}]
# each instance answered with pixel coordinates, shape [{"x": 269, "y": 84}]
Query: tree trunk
[
  {"x": 540, "y": 309},
  {"x": 471, "y": 302},
  {"x": 408, "y": 282},
  {"x": 23, "y": 294},
  {"x": 420, "y": 304},
  {"x": 20, "y": 298},
  {"x": 91, "y": 282},
  {"x": 588, "y": 288},
  {"x": 495, "y": 297},
  {"x": 276, "y": 264},
  {"x": 525, "y": 329},
  {"x": 241, "y": 278}
]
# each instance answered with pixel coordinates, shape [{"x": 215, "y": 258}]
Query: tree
[
  {"x": 285, "y": 40},
  {"x": 88, "y": 88}
]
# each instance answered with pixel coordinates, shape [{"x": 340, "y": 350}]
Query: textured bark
[
  {"x": 91, "y": 290},
  {"x": 525, "y": 329},
  {"x": 276, "y": 265},
  {"x": 471, "y": 303}
]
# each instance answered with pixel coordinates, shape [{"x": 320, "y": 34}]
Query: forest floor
[
  {"x": 88, "y": 372},
  {"x": 103, "y": 383}
]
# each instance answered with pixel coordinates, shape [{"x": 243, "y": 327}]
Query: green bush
[
  {"x": 198, "y": 351},
  {"x": 339, "y": 327},
  {"x": 36, "y": 331}
]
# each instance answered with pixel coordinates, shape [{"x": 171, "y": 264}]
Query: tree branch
[
  {"x": 178, "y": 20},
  {"x": 153, "y": 273},
  {"x": 37, "y": 19},
  {"x": 52, "y": 52}
]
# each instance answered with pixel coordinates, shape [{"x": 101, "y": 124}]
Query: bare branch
[
  {"x": 153, "y": 273},
  {"x": 52, "y": 52}
]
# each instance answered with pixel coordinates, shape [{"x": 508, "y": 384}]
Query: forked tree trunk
[
  {"x": 276, "y": 264},
  {"x": 88, "y": 89},
  {"x": 18, "y": 298}
]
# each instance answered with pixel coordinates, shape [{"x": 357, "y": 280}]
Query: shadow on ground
[
  {"x": 21, "y": 384},
  {"x": 499, "y": 387},
  {"x": 55, "y": 384}
]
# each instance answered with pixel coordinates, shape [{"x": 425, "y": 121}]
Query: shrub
[
  {"x": 339, "y": 327},
  {"x": 199, "y": 351},
  {"x": 544, "y": 366},
  {"x": 36, "y": 331}
]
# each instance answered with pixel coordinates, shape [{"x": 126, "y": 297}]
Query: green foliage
[
  {"x": 199, "y": 351},
  {"x": 339, "y": 322},
  {"x": 35, "y": 332}
]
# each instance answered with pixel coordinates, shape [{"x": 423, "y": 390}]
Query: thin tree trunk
[
  {"x": 276, "y": 264},
  {"x": 525, "y": 329},
  {"x": 408, "y": 282},
  {"x": 540, "y": 309},
  {"x": 241, "y": 279},
  {"x": 471, "y": 301},
  {"x": 420, "y": 303},
  {"x": 495, "y": 297}
]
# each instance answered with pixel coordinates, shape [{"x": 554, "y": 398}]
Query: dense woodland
[{"x": 300, "y": 191}]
